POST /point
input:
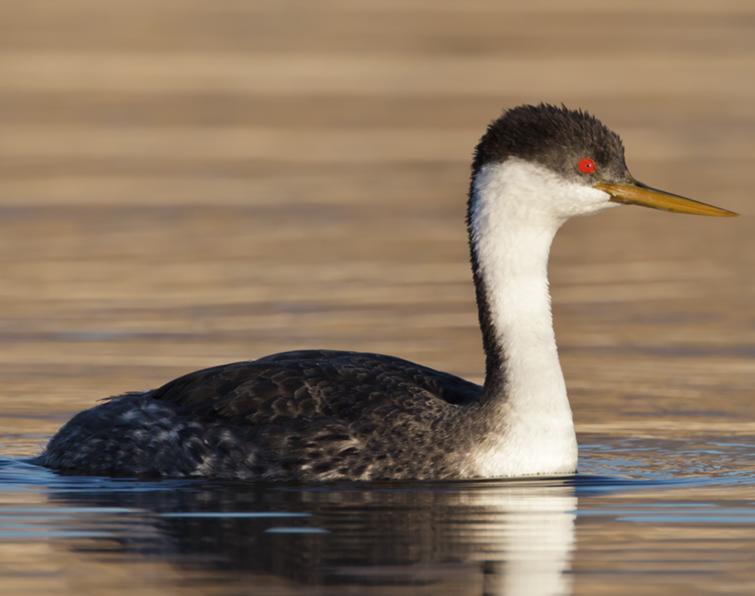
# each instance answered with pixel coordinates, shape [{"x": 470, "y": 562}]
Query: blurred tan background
[{"x": 188, "y": 183}]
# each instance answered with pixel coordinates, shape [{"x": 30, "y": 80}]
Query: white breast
[{"x": 514, "y": 218}]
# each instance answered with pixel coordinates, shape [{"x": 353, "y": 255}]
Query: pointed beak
[{"x": 637, "y": 193}]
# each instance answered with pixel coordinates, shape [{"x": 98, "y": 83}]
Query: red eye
[{"x": 586, "y": 166}]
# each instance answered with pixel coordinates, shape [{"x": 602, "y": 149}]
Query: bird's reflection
[{"x": 486, "y": 538}]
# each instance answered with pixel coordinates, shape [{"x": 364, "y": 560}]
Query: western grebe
[{"x": 320, "y": 415}]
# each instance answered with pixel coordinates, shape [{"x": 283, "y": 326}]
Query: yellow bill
[{"x": 636, "y": 193}]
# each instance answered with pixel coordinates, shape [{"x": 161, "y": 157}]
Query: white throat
[{"x": 516, "y": 210}]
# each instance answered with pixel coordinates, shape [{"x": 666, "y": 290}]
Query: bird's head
[{"x": 555, "y": 162}]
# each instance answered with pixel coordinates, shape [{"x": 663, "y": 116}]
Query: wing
[
  {"x": 310, "y": 415},
  {"x": 314, "y": 384}
]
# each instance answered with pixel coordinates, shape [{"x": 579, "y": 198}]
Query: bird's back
[{"x": 305, "y": 415}]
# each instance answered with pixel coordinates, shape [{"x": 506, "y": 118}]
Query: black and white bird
[{"x": 321, "y": 415}]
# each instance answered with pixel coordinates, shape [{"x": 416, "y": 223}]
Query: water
[
  {"x": 624, "y": 520},
  {"x": 186, "y": 184}
]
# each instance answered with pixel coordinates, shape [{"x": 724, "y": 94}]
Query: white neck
[{"x": 512, "y": 225}]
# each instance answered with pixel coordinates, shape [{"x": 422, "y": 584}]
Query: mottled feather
[{"x": 304, "y": 415}]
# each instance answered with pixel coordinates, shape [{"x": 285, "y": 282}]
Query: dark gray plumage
[
  {"x": 555, "y": 137},
  {"x": 305, "y": 415}
]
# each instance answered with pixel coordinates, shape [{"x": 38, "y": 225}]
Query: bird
[{"x": 321, "y": 415}]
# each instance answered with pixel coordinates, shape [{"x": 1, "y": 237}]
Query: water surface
[
  {"x": 186, "y": 184},
  {"x": 685, "y": 524}
]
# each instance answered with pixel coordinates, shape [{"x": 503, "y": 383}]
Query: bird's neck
[{"x": 511, "y": 232}]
